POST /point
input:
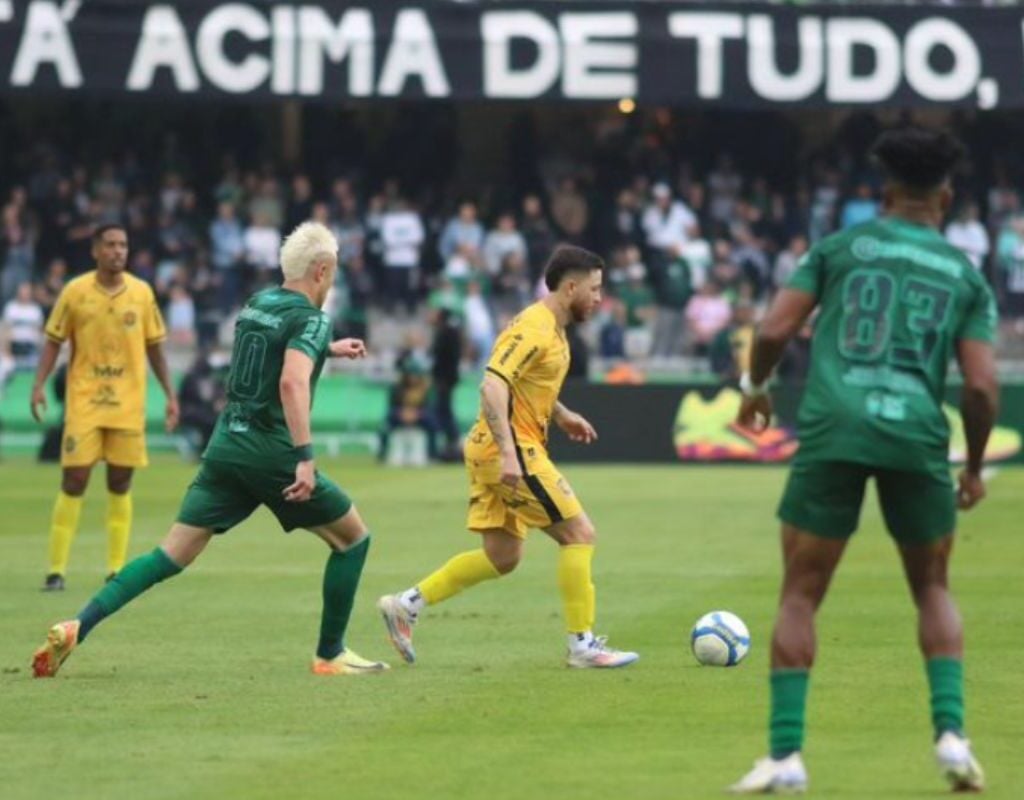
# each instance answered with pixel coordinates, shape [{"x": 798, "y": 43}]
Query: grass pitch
[{"x": 201, "y": 688}]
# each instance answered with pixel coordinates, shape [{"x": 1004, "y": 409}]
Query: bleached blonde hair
[{"x": 309, "y": 244}]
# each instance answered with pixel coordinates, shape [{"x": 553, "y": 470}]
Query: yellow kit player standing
[
  {"x": 113, "y": 324},
  {"x": 513, "y": 486}
]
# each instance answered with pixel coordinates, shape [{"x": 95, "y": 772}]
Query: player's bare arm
[
  {"x": 158, "y": 362},
  {"x": 574, "y": 425},
  {"x": 494, "y": 397},
  {"x": 47, "y": 360},
  {"x": 786, "y": 315},
  {"x": 979, "y": 407},
  {"x": 295, "y": 400},
  {"x": 348, "y": 348}
]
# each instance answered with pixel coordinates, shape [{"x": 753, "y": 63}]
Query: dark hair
[
  {"x": 919, "y": 158},
  {"x": 98, "y": 234},
  {"x": 568, "y": 259}
]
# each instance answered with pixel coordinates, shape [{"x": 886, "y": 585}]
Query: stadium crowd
[{"x": 693, "y": 251}]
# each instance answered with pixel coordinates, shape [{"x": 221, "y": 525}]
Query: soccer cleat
[
  {"x": 958, "y": 764},
  {"x": 600, "y": 656},
  {"x": 785, "y": 776},
  {"x": 399, "y": 623},
  {"x": 348, "y": 663},
  {"x": 60, "y": 641},
  {"x": 54, "y": 582}
]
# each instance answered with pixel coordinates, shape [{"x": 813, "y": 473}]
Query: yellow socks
[
  {"x": 464, "y": 570},
  {"x": 63, "y": 526},
  {"x": 576, "y": 587},
  {"x": 119, "y": 527}
]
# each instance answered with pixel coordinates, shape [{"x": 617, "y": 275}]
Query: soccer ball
[{"x": 720, "y": 639}]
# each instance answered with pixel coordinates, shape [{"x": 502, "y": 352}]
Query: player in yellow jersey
[
  {"x": 113, "y": 324},
  {"x": 513, "y": 486}
]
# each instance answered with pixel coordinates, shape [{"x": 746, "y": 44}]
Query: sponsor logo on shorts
[
  {"x": 130, "y": 318},
  {"x": 514, "y": 502},
  {"x": 70, "y": 443}
]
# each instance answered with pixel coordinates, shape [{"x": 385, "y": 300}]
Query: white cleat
[
  {"x": 786, "y": 776},
  {"x": 599, "y": 656},
  {"x": 958, "y": 764},
  {"x": 399, "y": 623}
]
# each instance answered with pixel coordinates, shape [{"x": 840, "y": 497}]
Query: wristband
[
  {"x": 748, "y": 387},
  {"x": 303, "y": 452}
]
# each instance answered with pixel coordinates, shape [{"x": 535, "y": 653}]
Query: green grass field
[{"x": 201, "y": 689}]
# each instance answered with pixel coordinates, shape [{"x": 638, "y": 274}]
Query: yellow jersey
[
  {"x": 532, "y": 357},
  {"x": 109, "y": 333}
]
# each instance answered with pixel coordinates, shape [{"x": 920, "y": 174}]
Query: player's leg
[
  {"x": 820, "y": 510},
  {"x": 576, "y": 538},
  {"x": 500, "y": 554},
  {"x": 919, "y": 512},
  {"x": 178, "y": 549},
  {"x": 80, "y": 450},
  {"x": 119, "y": 516},
  {"x": 349, "y": 541}
]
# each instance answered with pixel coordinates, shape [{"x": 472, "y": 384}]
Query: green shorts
[
  {"x": 223, "y": 494},
  {"x": 825, "y": 497}
]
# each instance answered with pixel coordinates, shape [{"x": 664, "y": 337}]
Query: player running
[
  {"x": 113, "y": 323},
  {"x": 513, "y": 486},
  {"x": 895, "y": 303},
  {"x": 261, "y": 454}
]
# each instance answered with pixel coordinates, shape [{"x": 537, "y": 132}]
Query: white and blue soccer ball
[{"x": 720, "y": 639}]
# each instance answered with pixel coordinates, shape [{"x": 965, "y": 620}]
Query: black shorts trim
[{"x": 532, "y": 481}]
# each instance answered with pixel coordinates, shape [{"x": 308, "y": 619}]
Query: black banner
[
  {"x": 694, "y": 423},
  {"x": 679, "y": 54}
]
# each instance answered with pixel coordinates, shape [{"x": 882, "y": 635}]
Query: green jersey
[
  {"x": 252, "y": 429},
  {"x": 894, "y": 297}
]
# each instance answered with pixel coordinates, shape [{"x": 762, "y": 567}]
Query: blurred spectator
[
  {"x": 49, "y": 289},
  {"x": 201, "y": 397},
  {"x": 539, "y": 236},
  {"x": 359, "y": 290},
  {"x": 569, "y": 210},
  {"x": 23, "y": 323},
  {"x": 1010, "y": 273},
  {"x": 266, "y": 204},
  {"x": 579, "y": 353},
  {"x": 612, "y": 337},
  {"x": 724, "y": 187},
  {"x": 463, "y": 234},
  {"x": 729, "y": 353},
  {"x": 967, "y": 233},
  {"x": 512, "y": 287},
  {"x": 860, "y": 208},
  {"x": 446, "y": 352},
  {"x": 350, "y": 232},
  {"x": 409, "y": 407},
  {"x": 227, "y": 253},
  {"x": 673, "y": 288},
  {"x": 300, "y": 204},
  {"x": 17, "y": 245},
  {"x": 181, "y": 317},
  {"x": 626, "y": 220},
  {"x": 502, "y": 242},
  {"x": 668, "y": 224},
  {"x": 402, "y": 236},
  {"x": 262, "y": 243},
  {"x": 787, "y": 261},
  {"x": 707, "y": 314},
  {"x": 479, "y": 323}
]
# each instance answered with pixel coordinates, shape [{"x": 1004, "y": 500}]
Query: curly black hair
[{"x": 919, "y": 158}]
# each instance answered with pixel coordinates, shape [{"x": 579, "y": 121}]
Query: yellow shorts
[
  {"x": 122, "y": 448},
  {"x": 542, "y": 498}
]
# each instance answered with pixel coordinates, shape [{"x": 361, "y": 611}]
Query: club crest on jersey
[
  {"x": 865, "y": 248},
  {"x": 130, "y": 318}
]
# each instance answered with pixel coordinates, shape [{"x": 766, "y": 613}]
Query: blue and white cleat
[
  {"x": 958, "y": 764},
  {"x": 600, "y": 656},
  {"x": 785, "y": 776}
]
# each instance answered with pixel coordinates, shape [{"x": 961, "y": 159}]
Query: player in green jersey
[
  {"x": 261, "y": 454},
  {"x": 895, "y": 303}
]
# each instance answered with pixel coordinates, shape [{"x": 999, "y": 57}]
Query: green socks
[
  {"x": 789, "y": 699},
  {"x": 341, "y": 579},
  {"x": 129, "y": 583},
  {"x": 946, "y": 681}
]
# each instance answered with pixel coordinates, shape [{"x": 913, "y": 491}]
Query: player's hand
[
  {"x": 305, "y": 482},
  {"x": 971, "y": 490},
  {"x": 755, "y": 413},
  {"x": 348, "y": 348},
  {"x": 171, "y": 414},
  {"x": 511, "y": 472},
  {"x": 38, "y": 402},
  {"x": 576, "y": 427}
]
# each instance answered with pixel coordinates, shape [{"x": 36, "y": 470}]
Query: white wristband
[{"x": 748, "y": 387}]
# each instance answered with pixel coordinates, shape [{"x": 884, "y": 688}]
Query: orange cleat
[{"x": 60, "y": 641}]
